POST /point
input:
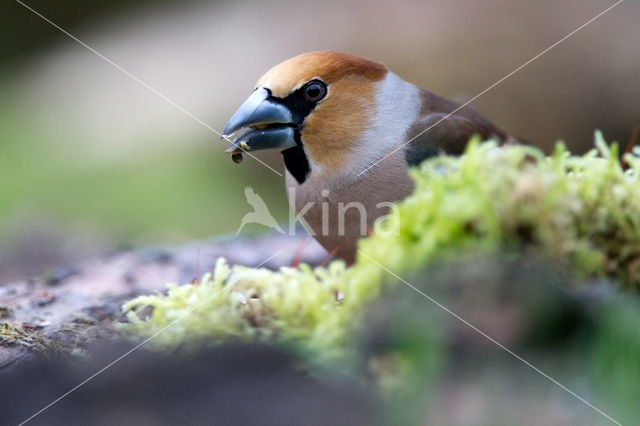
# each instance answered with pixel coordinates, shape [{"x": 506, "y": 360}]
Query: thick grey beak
[{"x": 270, "y": 124}]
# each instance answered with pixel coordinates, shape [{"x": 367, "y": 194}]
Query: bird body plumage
[{"x": 365, "y": 116}]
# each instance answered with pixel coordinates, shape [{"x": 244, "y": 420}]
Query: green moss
[
  {"x": 614, "y": 370},
  {"x": 294, "y": 305},
  {"x": 581, "y": 211},
  {"x": 12, "y": 335}
]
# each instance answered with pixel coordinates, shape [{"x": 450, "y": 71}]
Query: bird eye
[{"x": 314, "y": 91}]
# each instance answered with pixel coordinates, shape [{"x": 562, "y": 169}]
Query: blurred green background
[{"x": 91, "y": 160}]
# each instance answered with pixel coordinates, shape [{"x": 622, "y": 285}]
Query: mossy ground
[
  {"x": 15, "y": 335},
  {"x": 580, "y": 215},
  {"x": 581, "y": 211}
]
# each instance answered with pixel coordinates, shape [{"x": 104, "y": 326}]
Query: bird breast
[{"x": 337, "y": 215}]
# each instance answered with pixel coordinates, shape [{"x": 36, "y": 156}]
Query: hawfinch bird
[{"x": 342, "y": 124}]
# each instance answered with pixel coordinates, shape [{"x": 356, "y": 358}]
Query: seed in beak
[{"x": 237, "y": 157}]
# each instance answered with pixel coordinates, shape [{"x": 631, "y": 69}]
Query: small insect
[{"x": 237, "y": 157}]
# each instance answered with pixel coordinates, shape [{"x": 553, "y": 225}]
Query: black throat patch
[
  {"x": 295, "y": 160},
  {"x": 300, "y": 105}
]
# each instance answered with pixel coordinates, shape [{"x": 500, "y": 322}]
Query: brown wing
[{"x": 440, "y": 132}]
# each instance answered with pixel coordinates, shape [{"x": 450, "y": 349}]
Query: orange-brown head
[
  {"x": 330, "y": 67},
  {"x": 315, "y": 107}
]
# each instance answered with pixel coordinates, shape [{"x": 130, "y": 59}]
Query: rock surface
[{"x": 77, "y": 304}]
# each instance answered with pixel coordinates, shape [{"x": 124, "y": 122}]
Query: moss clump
[
  {"x": 13, "y": 335},
  {"x": 581, "y": 211},
  {"x": 302, "y": 305}
]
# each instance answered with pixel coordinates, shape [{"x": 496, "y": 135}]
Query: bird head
[{"x": 314, "y": 108}]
